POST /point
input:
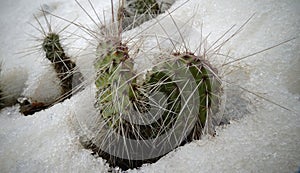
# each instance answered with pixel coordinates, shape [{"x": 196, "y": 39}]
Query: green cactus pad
[{"x": 208, "y": 94}]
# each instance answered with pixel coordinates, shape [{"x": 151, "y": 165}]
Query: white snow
[{"x": 266, "y": 140}]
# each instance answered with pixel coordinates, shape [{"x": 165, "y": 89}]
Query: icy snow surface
[{"x": 267, "y": 139}]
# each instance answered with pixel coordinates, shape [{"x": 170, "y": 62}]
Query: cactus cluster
[
  {"x": 145, "y": 110},
  {"x": 143, "y": 116}
]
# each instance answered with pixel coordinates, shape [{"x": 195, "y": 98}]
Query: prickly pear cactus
[
  {"x": 167, "y": 108},
  {"x": 62, "y": 64},
  {"x": 135, "y": 12},
  {"x": 143, "y": 116},
  {"x": 144, "y": 6},
  {"x": 65, "y": 69}
]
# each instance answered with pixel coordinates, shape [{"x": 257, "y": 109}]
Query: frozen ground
[{"x": 266, "y": 140}]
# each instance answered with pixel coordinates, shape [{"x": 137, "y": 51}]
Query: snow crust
[{"x": 261, "y": 137}]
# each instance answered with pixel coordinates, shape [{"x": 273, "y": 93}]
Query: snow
[{"x": 267, "y": 139}]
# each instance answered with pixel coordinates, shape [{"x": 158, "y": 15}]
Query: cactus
[
  {"x": 62, "y": 64},
  {"x": 142, "y": 117},
  {"x": 170, "y": 106},
  {"x": 65, "y": 68},
  {"x": 135, "y": 12},
  {"x": 121, "y": 97},
  {"x": 115, "y": 60}
]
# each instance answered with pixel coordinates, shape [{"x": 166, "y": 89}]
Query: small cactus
[
  {"x": 133, "y": 13},
  {"x": 62, "y": 64},
  {"x": 64, "y": 67}
]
